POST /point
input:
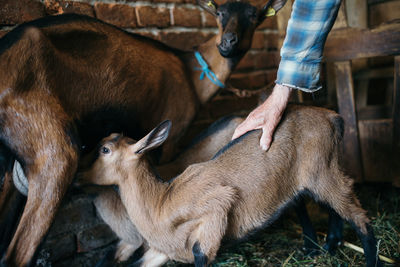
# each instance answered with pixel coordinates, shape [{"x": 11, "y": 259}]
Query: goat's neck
[
  {"x": 222, "y": 67},
  {"x": 141, "y": 195}
]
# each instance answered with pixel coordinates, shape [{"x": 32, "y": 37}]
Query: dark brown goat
[
  {"x": 241, "y": 189},
  {"x": 69, "y": 80}
]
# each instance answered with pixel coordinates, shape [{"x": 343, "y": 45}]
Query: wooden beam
[
  {"x": 352, "y": 43},
  {"x": 351, "y": 144},
  {"x": 383, "y": 12},
  {"x": 375, "y": 139},
  {"x": 396, "y": 102},
  {"x": 386, "y": 72},
  {"x": 396, "y": 122},
  {"x": 358, "y": 13},
  {"x": 341, "y": 19}
]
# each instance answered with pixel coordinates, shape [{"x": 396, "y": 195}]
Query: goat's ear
[
  {"x": 209, "y": 5},
  {"x": 271, "y": 8},
  {"x": 154, "y": 139}
]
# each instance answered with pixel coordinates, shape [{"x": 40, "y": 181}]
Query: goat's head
[
  {"x": 237, "y": 22},
  {"x": 117, "y": 155}
]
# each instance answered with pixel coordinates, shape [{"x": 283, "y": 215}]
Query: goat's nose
[{"x": 230, "y": 38}]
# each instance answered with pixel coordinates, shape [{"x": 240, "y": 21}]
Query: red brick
[
  {"x": 210, "y": 20},
  {"x": 15, "y": 12},
  {"x": 187, "y": 17},
  {"x": 184, "y": 40},
  {"x": 259, "y": 60},
  {"x": 117, "y": 14},
  {"x": 153, "y": 17},
  {"x": 167, "y": 1},
  {"x": 263, "y": 40},
  {"x": 269, "y": 23},
  {"x": 77, "y": 7},
  {"x": 52, "y": 7}
]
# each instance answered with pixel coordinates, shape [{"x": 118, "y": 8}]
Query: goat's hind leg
[
  {"x": 11, "y": 201},
  {"x": 42, "y": 136},
  {"x": 337, "y": 192}
]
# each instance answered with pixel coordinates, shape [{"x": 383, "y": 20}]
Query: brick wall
[{"x": 78, "y": 236}]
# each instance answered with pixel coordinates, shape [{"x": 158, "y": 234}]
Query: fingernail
[{"x": 264, "y": 147}]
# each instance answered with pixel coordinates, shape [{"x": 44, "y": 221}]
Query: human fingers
[
  {"x": 253, "y": 121},
  {"x": 266, "y": 137}
]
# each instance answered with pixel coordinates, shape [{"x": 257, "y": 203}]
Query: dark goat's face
[{"x": 237, "y": 22}]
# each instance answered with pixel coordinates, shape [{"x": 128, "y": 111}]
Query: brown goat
[
  {"x": 67, "y": 81},
  {"x": 203, "y": 147},
  {"x": 108, "y": 202},
  {"x": 241, "y": 189}
]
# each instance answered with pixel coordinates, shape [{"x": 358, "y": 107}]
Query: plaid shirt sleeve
[{"x": 301, "y": 53}]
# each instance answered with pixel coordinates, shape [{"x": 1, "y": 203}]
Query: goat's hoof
[{"x": 331, "y": 245}]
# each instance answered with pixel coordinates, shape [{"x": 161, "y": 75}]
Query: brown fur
[
  {"x": 70, "y": 80},
  {"x": 240, "y": 190}
]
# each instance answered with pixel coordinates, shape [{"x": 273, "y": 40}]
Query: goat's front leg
[
  {"x": 334, "y": 237},
  {"x": 111, "y": 209},
  {"x": 152, "y": 258},
  {"x": 42, "y": 136},
  {"x": 310, "y": 237}
]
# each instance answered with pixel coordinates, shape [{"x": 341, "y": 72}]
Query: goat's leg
[
  {"x": 369, "y": 244},
  {"x": 334, "y": 237},
  {"x": 111, "y": 209},
  {"x": 152, "y": 258},
  {"x": 337, "y": 192},
  {"x": 207, "y": 237},
  {"x": 200, "y": 259},
  {"x": 124, "y": 251},
  {"x": 42, "y": 136},
  {"x": 310, "y": 237},
  {"x": 359, "y": 221},
  {"x": 11, "y": 201},
  {"x": 46, "y": 190}
]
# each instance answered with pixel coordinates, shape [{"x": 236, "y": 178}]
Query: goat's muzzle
[{"x": 228, "y": 45}]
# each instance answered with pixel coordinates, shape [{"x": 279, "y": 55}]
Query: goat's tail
[{"x": 338, "y": 127}]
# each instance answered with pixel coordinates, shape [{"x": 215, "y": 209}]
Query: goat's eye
[{"x": 105, "y": 150}]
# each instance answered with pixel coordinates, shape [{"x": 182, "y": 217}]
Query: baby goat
[{"x": 241, "y": 189}]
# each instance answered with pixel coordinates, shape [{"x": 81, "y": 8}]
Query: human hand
[{"x": 266, "y": 116}]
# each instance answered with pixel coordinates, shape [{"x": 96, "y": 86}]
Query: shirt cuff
[{"x": 299, "y": 75}]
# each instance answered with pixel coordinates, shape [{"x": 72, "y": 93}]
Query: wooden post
[
  {"x": 352, "y": 161},
  {"x": 396, "y": 122}
]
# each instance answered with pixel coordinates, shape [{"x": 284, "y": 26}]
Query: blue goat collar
[{"x": 206, "y": 71}]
